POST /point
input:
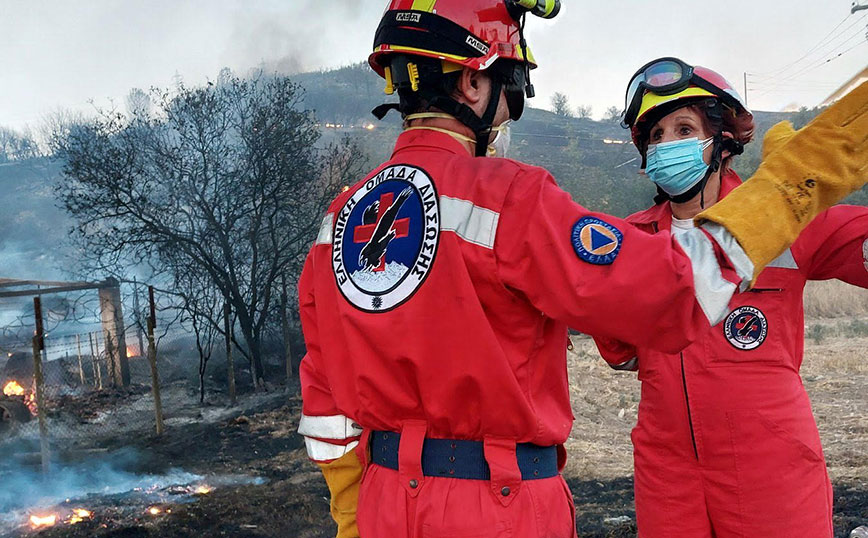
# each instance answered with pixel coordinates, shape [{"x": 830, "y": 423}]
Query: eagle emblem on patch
[
  {"x": 746, "y": 328},
  {"x": 385, "y": 238},
  {"x": 596, "y": 241}
]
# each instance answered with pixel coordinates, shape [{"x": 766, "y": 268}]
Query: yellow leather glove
[
  {"x": 343, "y": 477},
  {"x": 779, "y": 134},
  {"x": 803, "y": 173}
]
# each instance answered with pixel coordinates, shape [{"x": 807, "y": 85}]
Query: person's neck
[
  {"x": 451, "y": 125},
  {"x": 691, "y": 208}
]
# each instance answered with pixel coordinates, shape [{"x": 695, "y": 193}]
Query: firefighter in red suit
[
  {"x": 436, "y": 298},
  {"x": 726, "y": 444}
]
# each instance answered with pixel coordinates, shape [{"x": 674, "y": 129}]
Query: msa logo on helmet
[
  {"x": 746, "y": 328},
  {"x": 408, "y": 17},
  {"x": 477, "y": 44},
  {"x": 385, "y": 238}
]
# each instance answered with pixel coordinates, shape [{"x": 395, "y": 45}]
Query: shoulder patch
[
  {"x": 385, "y": 238},
  {"x": 596, "y": 241}
]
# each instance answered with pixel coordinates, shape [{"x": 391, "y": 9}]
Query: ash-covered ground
[{"x": 257, "y": 440}]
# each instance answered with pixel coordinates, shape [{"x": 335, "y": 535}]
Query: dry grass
[
  {"x": 833, "y": 298},
  {"x": 836, "y": 374},
  {"x": 605, "y": 404}
]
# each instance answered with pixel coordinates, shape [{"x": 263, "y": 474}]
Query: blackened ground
[{"x": 293, "y": 502}]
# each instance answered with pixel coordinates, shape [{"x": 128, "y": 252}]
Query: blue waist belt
[{"x": 464, "y": 459}]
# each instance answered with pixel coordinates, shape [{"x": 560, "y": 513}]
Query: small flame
[
  {"x": 43, "y": 521},
  {"x": 132, "y": 352},
  {"x": 154, "y": 510},
  {"x": 203, "y": 490},
  {"x": 79, "y": 515},
  {"x": 13, "y": 389}
]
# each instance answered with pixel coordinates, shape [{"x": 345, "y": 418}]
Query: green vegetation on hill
[{"x": 593, "y": 160}]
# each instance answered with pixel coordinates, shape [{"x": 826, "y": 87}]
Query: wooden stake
[
  {"x": 97, "y": 371},
  {"x": 110, "y": 360},
  {"x": 152, "y": 358},
  {"x": 138, "y": 317},
  {"x": 38, "y": 347},
  {"x": 80, "y": 363},
  {"x": 230, "y": 362},
  {"x": 284, "y": 321}
]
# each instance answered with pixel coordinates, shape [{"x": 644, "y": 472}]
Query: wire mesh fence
[{"x": 85, "y": 396}]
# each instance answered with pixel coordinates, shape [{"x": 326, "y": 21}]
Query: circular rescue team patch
[
  {"x": 596, "y": 241},
  {"x": 746, "y": 328},
  {"x": 385, "y": 238}
]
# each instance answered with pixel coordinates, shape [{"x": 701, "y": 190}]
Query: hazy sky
[{"x": 60, "y": 54}]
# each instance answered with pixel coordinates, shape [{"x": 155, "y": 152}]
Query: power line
[
  {"x": 815, "y": 47},
  {"x": 777, "y": 74},
  {"x": 819, "y": 63}
]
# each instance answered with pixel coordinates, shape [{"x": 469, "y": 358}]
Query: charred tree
[{"x": 226, "y": 178}]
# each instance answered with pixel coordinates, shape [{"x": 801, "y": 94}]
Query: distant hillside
[
  {"x": 32, "y": 228},
  {"x": 593, "y": 160}
]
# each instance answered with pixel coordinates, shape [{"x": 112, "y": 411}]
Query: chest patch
[
  {"x": 746, "y": 328},
  {"x": 596, "y": 241},
  {"x": 385, "y": 238}
]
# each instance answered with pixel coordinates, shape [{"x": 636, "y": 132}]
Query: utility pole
[
  {"x": 858, "y": 7},
  {"x": 745, "y": 88}
]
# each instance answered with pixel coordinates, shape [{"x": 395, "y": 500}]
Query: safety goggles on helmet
[
  {"x": 513, "y": 78},
  {"x": 669, "y": 76}
]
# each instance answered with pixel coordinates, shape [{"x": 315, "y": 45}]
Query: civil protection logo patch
[
  {"x": 746, "y": 328},
  {"x": 596, "y": 241},
  {"x": 385, "y": 238}
]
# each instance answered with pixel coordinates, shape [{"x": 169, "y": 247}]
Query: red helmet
[
  {"x": 665, "y": 84},
  {"x": 470, "y": 33}
]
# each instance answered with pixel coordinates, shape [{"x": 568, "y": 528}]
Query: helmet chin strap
[
  {"x": 434, "y": 98},
  {"x": 481, "y": 127}
]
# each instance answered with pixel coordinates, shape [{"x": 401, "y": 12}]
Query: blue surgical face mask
[{"x": 677, "y": 166}]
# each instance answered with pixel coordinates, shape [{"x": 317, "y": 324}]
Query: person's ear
[
  {"x": 728, "y": 141},
  {"x": 472, "y": 87}
]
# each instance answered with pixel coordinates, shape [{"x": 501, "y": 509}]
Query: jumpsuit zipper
[
  {"x": 687, "y": 401},
  {"x": 766, "y": 290}
]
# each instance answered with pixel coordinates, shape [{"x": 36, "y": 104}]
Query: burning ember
[
  {"x": 203, "y": 490},
  {"x": 13, "y": 389},
  {"x": 38, "y": 522},
  {"x": 154, "y": 510}
]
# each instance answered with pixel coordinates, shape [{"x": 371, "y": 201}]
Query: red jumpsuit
[
  {"x": 435, "y": 302},
  {"x": 726, "y": 444}
]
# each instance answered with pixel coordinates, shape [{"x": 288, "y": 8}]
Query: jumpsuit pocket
[
  {"x": 754, "y": 332},
  {"x": 499, "y": 530},
  {"x": 781, "y": 480}
]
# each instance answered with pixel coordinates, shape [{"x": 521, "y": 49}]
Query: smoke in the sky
[{"x": 283, "y": 43}]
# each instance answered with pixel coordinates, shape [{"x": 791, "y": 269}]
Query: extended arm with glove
[{"x": 803, "y": 173}]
